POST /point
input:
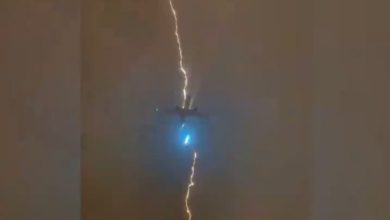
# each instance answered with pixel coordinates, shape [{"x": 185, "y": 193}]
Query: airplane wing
[
  {"x": 198, "y": 115},
  {"x": 173, "y": 111}
]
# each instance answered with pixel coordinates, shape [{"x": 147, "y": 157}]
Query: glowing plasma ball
[
  {"x": 180, "y": 50},
  {"x": 187, "y": 139},
  {"x": 186, "y": 134}
]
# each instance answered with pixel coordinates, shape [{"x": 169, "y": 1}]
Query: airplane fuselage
[{"x": 186, "y": 110}]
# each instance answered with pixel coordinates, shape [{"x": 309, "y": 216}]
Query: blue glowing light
[
  {"x": 186, "y": 135},
  {"x": 187, "y": 139}
]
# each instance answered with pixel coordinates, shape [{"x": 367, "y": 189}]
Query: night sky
[
  {"x": 39, "y": 110},
  {"x": 296, "y": 93}
]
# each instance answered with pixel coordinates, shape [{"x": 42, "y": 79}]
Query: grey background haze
[
  {"x": 40, "y": 110},
  {"x": 297, "y": 92}
]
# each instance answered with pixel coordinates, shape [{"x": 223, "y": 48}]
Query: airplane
[{"x": 186, "y": 111}]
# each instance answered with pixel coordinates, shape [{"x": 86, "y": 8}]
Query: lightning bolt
[
  {"x": 184, "y": 90},
  {"x": 191, "y": 184},
  {"x": 180, "y": 51}
]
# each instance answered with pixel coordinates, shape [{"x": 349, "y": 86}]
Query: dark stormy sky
[
  {"x": 250, "y": 88},
  {"x": 297, "y": 93},
  {"x": 39, "y": 110}
]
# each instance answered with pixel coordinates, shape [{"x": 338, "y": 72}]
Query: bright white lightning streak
[
  {"x": 185, "y": 76},
  {"x": 180, "y": 50},
  {"x": 191, "y": 184}
]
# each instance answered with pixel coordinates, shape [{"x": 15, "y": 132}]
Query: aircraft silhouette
[{"x": 187, "y": 111}]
